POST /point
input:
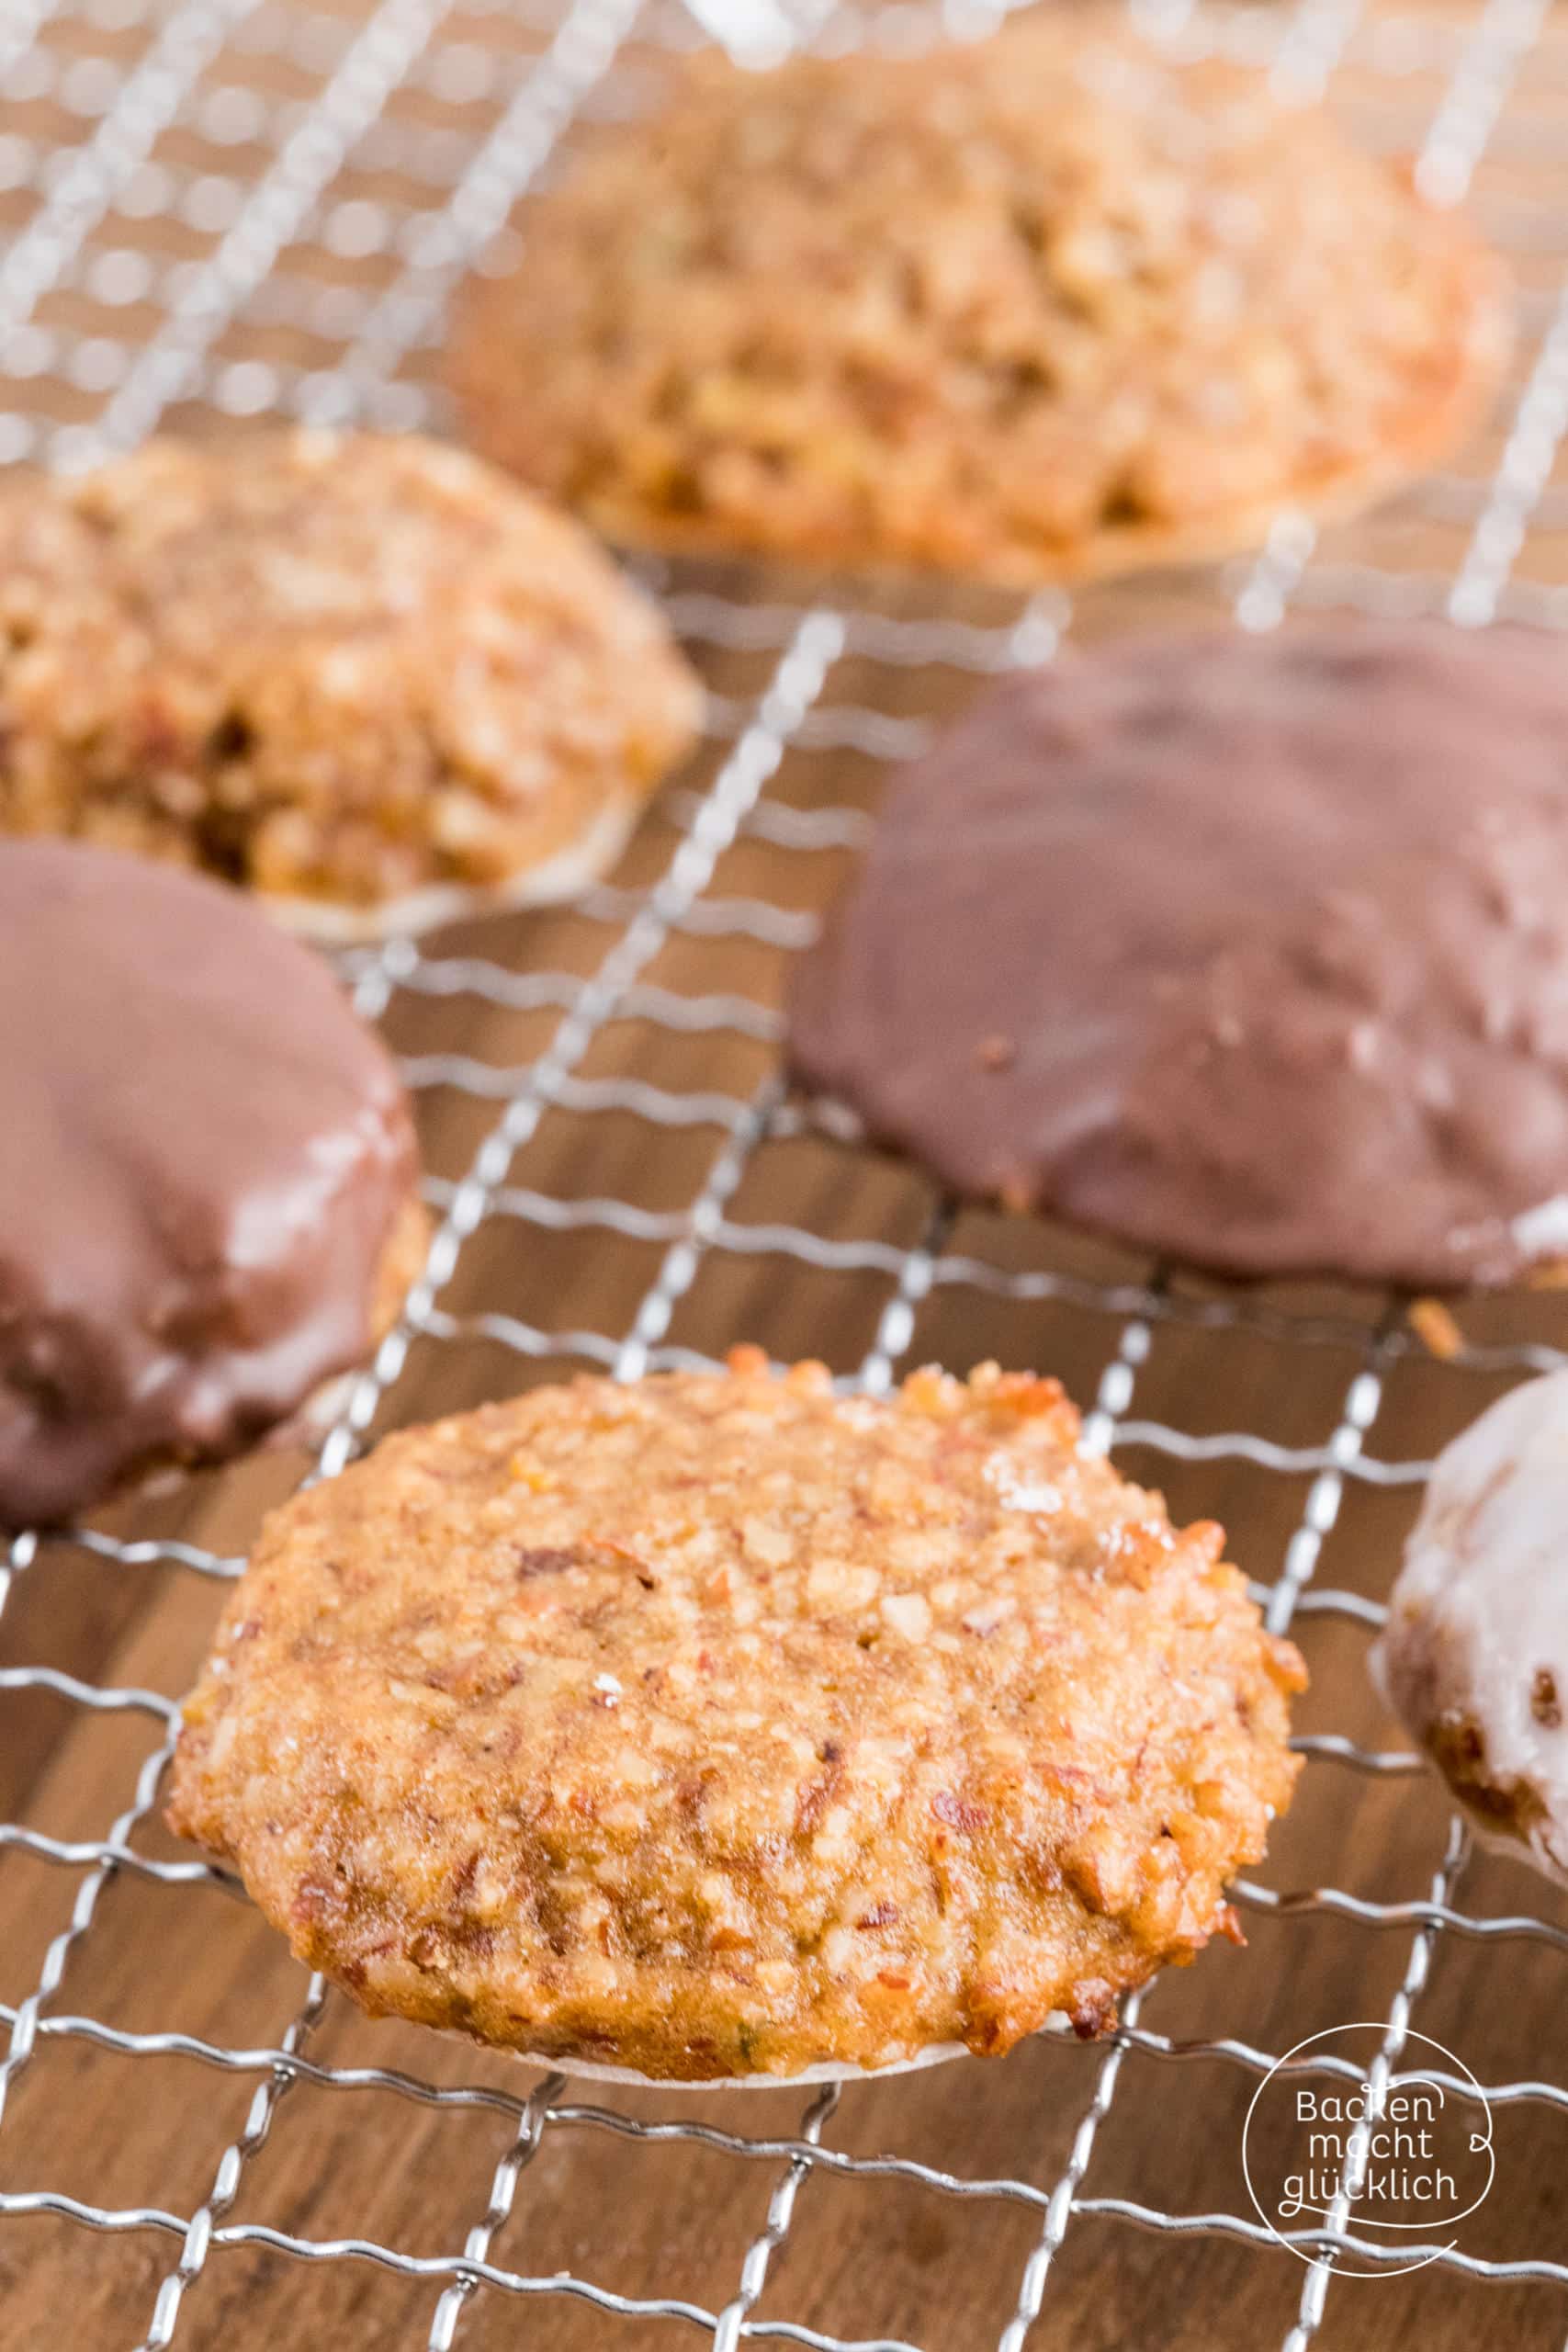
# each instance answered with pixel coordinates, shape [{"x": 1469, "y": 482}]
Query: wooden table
[{"x": 393, "y": 2137}]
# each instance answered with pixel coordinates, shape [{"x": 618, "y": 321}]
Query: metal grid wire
[{"x": 252, "y": 206}]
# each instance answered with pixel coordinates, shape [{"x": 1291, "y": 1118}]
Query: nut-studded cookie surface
[
  {"x": 1050, "y": 303},
  {"x": 718, "y": 1725},
  {"x": 343, "y": 670}
]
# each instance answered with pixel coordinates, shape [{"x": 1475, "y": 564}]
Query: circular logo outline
[{"x": 1382, "y": 2271}]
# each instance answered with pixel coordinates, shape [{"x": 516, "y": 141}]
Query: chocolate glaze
[
  {"x": 1251, "y": 951},
  {"x": 203, "y": 1154}
]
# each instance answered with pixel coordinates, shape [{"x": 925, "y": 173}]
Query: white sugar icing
[{"x": 1478, "y": 1622}]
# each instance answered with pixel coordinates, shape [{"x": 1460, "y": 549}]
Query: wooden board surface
[{"x": 865, "y": 2255}]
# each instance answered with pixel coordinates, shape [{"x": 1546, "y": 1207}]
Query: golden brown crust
[
  {"x": 341, "y": 670},
  {"x": 719, "y": 1725},
  {"x": 1041, "y": 307}
]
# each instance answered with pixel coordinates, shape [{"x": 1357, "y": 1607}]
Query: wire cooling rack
[{"x": 221, "y": 209}]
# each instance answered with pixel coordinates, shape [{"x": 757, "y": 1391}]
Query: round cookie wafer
[
  {"x": 370, "y": 679},
  {"x": 1055, "y": 303},
  {"x": 1474, "y": 1654},
  {"x": 1252, "y": 953},
  {"x": 719, "y": 1726},
  {"x": 208, "y": 1178}
]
